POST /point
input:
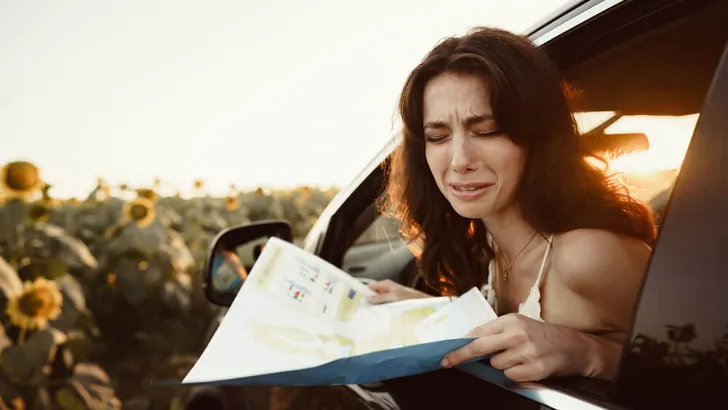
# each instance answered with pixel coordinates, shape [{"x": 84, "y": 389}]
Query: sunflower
[
  {"x": 20, "y": 179},
  {"x": 147, "y": 193},
  {"x": 140, "y": 211},
  {"x": 39, "y": 302},
  {"x": 232, "y": 203}
]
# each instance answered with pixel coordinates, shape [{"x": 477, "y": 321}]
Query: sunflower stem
[{"x": 21, "y": 337}]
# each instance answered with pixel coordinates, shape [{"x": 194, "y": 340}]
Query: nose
[{"x": 462, "y": 156}]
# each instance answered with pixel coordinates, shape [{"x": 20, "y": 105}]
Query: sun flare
[{"x": 669, "y": 139}]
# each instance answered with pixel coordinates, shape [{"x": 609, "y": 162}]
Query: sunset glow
[{"x": 669, "y": 139}]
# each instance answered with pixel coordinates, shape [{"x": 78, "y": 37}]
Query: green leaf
[
  {"x": 24, "y": 363},
  {"x": 10, "y": 283},
  {"x": 72, "y": 252},
  {"x": 88, "y": 389}
]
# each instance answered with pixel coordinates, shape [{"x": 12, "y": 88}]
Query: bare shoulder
[{"x": 588, "y": 260}]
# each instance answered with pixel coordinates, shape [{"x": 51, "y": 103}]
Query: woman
[
  {"x": 495, "y": 189},
  {"x": 229, "y": 272}
]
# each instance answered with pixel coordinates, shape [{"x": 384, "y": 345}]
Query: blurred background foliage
[{"x": 100, "y": 295}]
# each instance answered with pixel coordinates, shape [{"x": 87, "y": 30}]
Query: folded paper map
[{"x": 298, "y": 320}]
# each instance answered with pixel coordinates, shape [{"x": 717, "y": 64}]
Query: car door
[
  {"x": 645, "y": 90},
  {"x": 678, "y": 356}
]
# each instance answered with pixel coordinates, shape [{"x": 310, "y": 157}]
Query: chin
[{"x": 471, "y": 211}]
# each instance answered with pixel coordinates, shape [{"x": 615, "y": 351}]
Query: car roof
[{"x": 566, "y": 17}]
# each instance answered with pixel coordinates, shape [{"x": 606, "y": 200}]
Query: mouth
[{"x": 469, "y": 191}]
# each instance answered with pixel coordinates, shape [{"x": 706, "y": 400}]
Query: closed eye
[
  {"x": 435, "y": 138},
  {"x": 487, "y": 133}
]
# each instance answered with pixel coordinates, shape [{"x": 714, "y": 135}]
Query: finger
[
  {"x": 479, "y": 347},
  {"x": 497, "y": 325},
  {"x": 381, "y": 286},
  {"x": 383, "y": 297},
  {"x": 507, "y": 358},
  {"x": 493, "y": 327},
  {"x": 526, "y": 372}
]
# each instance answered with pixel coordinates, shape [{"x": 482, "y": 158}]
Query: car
[{"x": 656, "y": 68}]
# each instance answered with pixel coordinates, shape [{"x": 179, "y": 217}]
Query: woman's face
[{"x": 476, "y": 167}]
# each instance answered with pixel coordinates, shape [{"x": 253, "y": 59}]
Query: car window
[
  {"x": 648, "y": 174},
  {"x": 383, "y": 229}
]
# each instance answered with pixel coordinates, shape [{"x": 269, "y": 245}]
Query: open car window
[
  {"x": 383, "y": 229},
  {"x": 648, "y": 174}
]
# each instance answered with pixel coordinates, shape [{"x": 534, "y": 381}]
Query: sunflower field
[{"x": 101, "y": 295}]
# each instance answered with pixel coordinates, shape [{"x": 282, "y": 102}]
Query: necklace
[{"x": 507, "y": 270}]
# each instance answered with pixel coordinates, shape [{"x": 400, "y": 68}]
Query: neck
[{"x": 509, "y": 232}]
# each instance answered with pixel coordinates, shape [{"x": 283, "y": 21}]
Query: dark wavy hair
[{"x": 561, "y": 188}]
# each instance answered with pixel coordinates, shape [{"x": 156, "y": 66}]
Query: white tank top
[{"x": 531, "y": 307}]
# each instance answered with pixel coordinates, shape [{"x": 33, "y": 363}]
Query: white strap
[{"x": 543, "y": 262}]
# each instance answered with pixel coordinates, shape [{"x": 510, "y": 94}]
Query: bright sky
[{"x": 271, "y": 93}]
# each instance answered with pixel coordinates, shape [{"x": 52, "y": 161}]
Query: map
[
  {"x": 401, "y": 332},
  {"x": 298, "y": 320}
]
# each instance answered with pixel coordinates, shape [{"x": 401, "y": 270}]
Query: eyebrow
[{"x": 470, "y": 121}]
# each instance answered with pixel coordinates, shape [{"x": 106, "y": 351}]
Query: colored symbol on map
[
  {"x": 329, "y": 287},
  {"x": 296, "y": 292},
  {"x": 310, "y": 274},
  {"x": 351, "y": 294}
]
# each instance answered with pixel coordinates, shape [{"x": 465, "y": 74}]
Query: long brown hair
[{"x": 560, "y": 190}]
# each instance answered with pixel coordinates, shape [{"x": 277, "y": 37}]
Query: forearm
[{"x": 601, "y": 358}]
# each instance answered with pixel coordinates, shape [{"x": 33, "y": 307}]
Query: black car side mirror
[{"x": 232, "y": 255}]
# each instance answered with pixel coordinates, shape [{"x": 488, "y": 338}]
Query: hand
[
  {"x": 390, "y": 291},
  {"x": 530, "y": 350}
]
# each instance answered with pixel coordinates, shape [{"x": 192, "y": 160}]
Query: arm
[
  {"x": 604, "y": 273},
  {"x": 597, "y": 276}
]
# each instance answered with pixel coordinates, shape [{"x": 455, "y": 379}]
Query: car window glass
[
  {"x": 648, "y": 174},
  {"x": 383, "y": 229}
]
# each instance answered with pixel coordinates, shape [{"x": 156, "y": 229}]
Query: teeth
[{"x": 462, "y": 188}]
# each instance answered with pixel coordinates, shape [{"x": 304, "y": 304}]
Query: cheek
[
  {"x": 431, "y": 157},
  {"x": 437, "y": 164},
  {"x": 512, "y": 161}
]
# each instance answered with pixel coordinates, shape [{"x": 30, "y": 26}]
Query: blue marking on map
[
  {"x": 292, "y": 283},
  {"x": 307, "y": 264},
  {"x": 365, "y": 368},
  {"x": 351, "y": 294}
]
